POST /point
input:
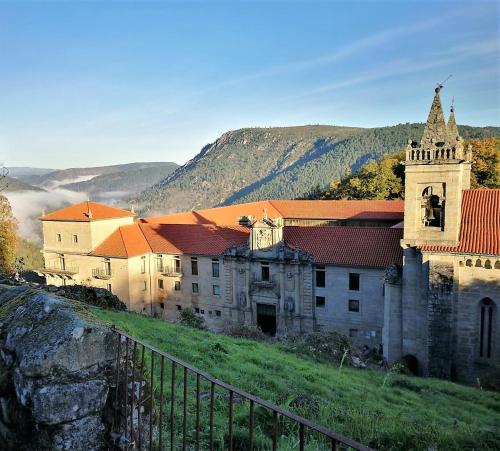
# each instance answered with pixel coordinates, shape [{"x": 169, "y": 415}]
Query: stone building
[{"x": 429, "y": 289}]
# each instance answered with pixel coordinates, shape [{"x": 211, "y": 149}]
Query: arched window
[
  {"x": 431, "y": 208},
  {"x": 478, "y": 263},
  {"x": 486, "y": 307},
  {"x": 487, "y": 264},
  {"x": 497, "y": 264},
  {"x": 468, "y": 262}
]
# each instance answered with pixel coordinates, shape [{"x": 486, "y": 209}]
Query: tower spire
[
  {"x": 435, "y": 127},
  {"x": 453, "y": 134}
]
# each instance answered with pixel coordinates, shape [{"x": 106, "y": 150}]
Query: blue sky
[{"x": 95, "y": 83}]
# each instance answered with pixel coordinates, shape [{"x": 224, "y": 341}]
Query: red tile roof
[
  {"x": 375, "y": 247},
  {"x": 340, "y": 209},
  {"x": 293, "y": 209},
  {"x": 86, "y": 212},
  {"x": 480, "y": 227},
  {"x": 193, "y": 239},
  {"x": 126, "y": 241}
]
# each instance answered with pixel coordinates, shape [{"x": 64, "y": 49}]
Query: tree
[
  {"x": 486, "y": 162},
  {"x": 8, "y": 236}
]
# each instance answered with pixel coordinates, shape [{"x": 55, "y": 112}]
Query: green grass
[{"x": 404, "y": 413}]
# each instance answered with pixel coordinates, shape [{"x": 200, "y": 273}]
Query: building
[{"x": 429, "y": 289}]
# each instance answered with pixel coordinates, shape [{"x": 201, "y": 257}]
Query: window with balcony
[
  {"x": 320, "y": 276},
  {"x": 194, "y": 266},
  {"x": 159, "y": 263},
  {"x": 107, "y": 267},
  {"x": 177, "y": 264},
  {"x": 215, "y": 267},
  {"x": 353, "y": 281},
  {"x": 216, "y": 290},
  {"x": 264, "y": 272}
]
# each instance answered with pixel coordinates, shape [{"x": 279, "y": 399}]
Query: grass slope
[{"x": 404, "y": 413}]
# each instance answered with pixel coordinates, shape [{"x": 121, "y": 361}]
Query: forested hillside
[
  {"x": 272, "y": 163},
  {"x": 10, "y": 184}
]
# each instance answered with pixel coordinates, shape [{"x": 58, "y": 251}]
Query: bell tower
[{"x": 437, "y": 170}]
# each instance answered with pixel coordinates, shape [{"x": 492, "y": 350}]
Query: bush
[
  {"x": 187, "y": 317},
  {"x": 246, "y": 331},
  {"x": 329, "y": 346}
]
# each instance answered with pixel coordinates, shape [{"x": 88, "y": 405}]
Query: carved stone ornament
[{"x": 263, "y": 239}]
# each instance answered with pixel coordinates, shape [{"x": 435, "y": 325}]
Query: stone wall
[{"x": 56, "y": 373}]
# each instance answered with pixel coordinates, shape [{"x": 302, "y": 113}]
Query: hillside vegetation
[
  {"x": 384, "y": 179},
  {"x": 269, "y": 163},
  {"x": 123, "y": 183},
  {"x": 11, "y": 184},
  {"x": 387, "y": 412}
]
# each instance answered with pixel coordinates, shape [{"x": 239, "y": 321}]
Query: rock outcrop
[{"x": 56, "y": 373}]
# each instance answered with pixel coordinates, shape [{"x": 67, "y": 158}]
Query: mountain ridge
[{"x": 252, "y": 164}]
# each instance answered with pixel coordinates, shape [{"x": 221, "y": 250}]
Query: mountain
[
  {"x": 23, "y": 171},
  {"x": 10, "y": 184},
  {"x": 65, "y": 177},
  {"x": 123, "y": 184},
  {"x": 272, "y": 163}
]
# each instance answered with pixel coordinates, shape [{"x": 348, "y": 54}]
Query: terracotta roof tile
[
  {"x": 126, "y": 241},
  {"x": 293, "y": 209},
  {"x": 480, "y": 227},
  {"x": 86, "y": 212},
  {"x": 375, "y": 247},
  {"x": 193, "y": 239}
]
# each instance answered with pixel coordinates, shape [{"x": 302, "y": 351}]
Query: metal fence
[{"x": 162, "y": 403}]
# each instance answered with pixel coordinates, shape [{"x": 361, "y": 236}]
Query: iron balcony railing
[
  {"x": 99, "y": 273},
  {"x": 213, "y": 415},
  {"x": 171, "y": 271},
  {"x": 58, "y": 268}
]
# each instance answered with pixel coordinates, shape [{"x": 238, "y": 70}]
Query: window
[
  {"x": 432, "y": 208},
  {"x": 75, "y": 238},
  {"x": 210, "y": 312},
  {"x": 179, "y": 307},
  {"x": 197, "y": 310},
  {"x": 58, "y": 237},
  {"x": 144, "y": 286},
  {"x": 162, "y": 305},
  {"x": 143, "y": 265},
  {"x": 177, "y": 285},
  {"x": 62, "y": 262},
  {"x": 159, "y": 263},
  {"x": 320, "y": 301},
  {"x": 217, "y": 313},
  {"x": 353, "y": 305},
  {"x": 109, "y": 287},
  {"x": 107, "y": 267},
  {"x": 264, "y": 269},
  {"x": 160, "y": 284},
  {"x": 215, "y": 267},
  {"x": 353, "y": 333},
  {"x": 485, "y": 328},
  {"x": 320, "y": 276},
  {"x": 216, "y": 290},
  {"x": 194, "y": 266},
  {"x": 177, "y": 264},
  {"x": 353, "y": 281},
  {"x": 195, "y": 287},
  {"x": 202, "y": 311}
]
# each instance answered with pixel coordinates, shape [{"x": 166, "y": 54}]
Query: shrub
[
  {"x": 329, "y": 346},
  {"x": 187, "y": 317},
  {"x": 246, "y": 331}
]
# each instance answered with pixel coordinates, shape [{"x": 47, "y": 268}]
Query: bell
[{"x": 429, "y": 213}]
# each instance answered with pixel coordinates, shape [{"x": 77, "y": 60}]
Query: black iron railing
[{"x": 212, "y": 418}]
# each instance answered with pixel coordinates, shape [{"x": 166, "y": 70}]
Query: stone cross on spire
[{"x": 435, "y": 128}]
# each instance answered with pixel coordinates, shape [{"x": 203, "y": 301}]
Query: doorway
[{"x": 266, "y": 318}]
